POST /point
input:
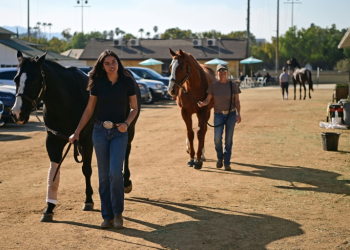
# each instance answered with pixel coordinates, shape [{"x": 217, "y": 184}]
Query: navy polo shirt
[{"x": 113, "y": 99}]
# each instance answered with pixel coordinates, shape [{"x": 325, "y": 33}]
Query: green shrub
[{"x": 341, "y": 86}]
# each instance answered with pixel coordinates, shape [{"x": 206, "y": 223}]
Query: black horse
[
  {"x": 300, "y": 75},
  {"x": 63, "y": 91}
]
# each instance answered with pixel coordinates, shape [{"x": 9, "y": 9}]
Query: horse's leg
[
  {"x": 295, "y": 88},
  {"x": 54, "y": 149},
  {"x": 190, "y": 134},
  {"x": 309, "y": 89},
  {"x": 300, "y": 91},
  {"x": 87, "y": 171},
  {"x": 202, "y": 129},
  {"x": 304, "y": 90},
  {"x": 127, "y": 181}
]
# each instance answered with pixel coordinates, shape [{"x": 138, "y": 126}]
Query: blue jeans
[
  {"x": 110, "y": 147},
  {"x": 229, "y": 126}
]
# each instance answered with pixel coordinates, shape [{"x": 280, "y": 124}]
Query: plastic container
[
  {"x": 330, "y": 141},
  {"x": 346, "y": 106}
]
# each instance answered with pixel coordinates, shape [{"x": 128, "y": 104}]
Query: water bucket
[
  {"x": 336, "y": 120},
  {"x": 330, "y": 141}
]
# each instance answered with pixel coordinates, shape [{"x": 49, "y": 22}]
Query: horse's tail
[{"x": 310, "y": 80}]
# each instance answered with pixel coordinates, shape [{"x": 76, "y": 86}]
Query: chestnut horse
[
  {"x": 188, "y": 83},
  {"x": 300, "y": 75}
]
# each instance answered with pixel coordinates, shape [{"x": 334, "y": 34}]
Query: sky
[{"x": 196, "y": 15}]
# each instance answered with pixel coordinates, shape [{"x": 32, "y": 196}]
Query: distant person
[
  {"x": 259, "y": 75},
  {"x": 241, "y": 77},
  {"x": 284, "y": 77},
  {"x": 267, "y": 78}
]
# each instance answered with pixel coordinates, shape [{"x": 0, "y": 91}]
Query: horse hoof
[
  {"x": 198, "y": 164},
  {"x": 190, "y": 163},
  {"x": 88, "y": 207},
  {"x": 46, "y": 218},
  {"x": 203, "y": 158},
  {"x": 128, "y": 189},
  {"x": 187, "y": 151}
]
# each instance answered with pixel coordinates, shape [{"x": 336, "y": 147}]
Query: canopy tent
[
  {"x": 151, "y": 61},
  {"x": 250, "y": 60},
  {"x": 215, "y": 62}
]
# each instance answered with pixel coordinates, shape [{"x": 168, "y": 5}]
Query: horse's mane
[
  {"x": 47, "y": 61},
  {"x": 296, "y": 63},
  {"x": 191, "y": 58}
]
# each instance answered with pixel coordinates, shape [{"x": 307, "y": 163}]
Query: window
[{"x": 8, "y": 75}]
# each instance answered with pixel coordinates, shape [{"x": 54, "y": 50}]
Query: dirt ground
[{"x": 284, "y": 190}]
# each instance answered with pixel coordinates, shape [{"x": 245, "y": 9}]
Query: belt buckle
[{"x": 108, "y": 124}]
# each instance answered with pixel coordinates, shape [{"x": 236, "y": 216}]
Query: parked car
[
  {"x": 146, "y": 95},
  {"x": 158, "y": 89},
  {"x": 1, "y": 111},
  {"x": 86, "y": 70},
  {"x": 7, "y": 75},
  {"x": 8, "y": 98},
  {"x": 149, "y": 74}
]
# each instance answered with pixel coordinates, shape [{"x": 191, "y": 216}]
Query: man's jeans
[
  {"x": 110, "y": 147},
  {"x": 229, "y": 125}
]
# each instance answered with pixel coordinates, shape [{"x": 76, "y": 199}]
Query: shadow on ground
[{"x": 208, "y": 228}]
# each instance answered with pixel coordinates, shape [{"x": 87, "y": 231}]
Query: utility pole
[
  {"x": 293, "y": 2},
  {"x": 248, "y": 31},
  {"x": 277, "y": 33},
  {"x": 82, "y": 12},
  {"x": 28, "y": 28}
]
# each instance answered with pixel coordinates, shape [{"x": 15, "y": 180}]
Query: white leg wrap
[{"x": 52, "y": 186}]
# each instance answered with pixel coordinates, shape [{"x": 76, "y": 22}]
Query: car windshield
[
  {"x": 154, "y": 74},
  {"x": 135, "y": 76}
]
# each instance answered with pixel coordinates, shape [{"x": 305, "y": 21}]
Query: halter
[
  {"x": 184, "y": 79},
  {"x": 41, "y": 93}
]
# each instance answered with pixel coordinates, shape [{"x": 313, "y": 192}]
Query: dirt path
[{"x": 284, "y": 192}]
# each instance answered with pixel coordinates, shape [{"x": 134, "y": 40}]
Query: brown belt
[
  {"x": 225, "y": 112},
  {"x": 106, "y": 124}
]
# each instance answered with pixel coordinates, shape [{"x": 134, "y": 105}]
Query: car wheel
[{"x": 149, "y": 98}]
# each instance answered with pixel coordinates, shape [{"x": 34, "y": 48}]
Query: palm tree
[
  {"x": 105, "y": 34},
  {"x": 38, "y": 27},
  {"x": 44, "y": 25},
  {"x": 111, "y": 34},
  {"x": 49, "y": 24},
  {"x": 117, "y": 31},
  {"x": 155, "y": 28},
  {"x": 141, "y": 31},
  {"x": 148, "y": 34}
]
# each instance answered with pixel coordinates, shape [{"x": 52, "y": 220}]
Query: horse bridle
[
  {"x": 41, "y": 93},
  {"x": 179, "y": 84}
]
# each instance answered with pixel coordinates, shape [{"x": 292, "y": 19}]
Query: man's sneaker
[
  {"x": 219, "y": 164},
  {"x": 227, "y": 168}
]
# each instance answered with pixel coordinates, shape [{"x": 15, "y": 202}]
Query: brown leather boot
[{"x": 118, "y": 221}]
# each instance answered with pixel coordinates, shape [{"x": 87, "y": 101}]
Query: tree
[
  {"x": 141, "y": 31},
  {"x": 117, "y": 31},
  {"x": 129, "y": 36},
  {"x": 155, "y": 29},
  {"x": 49, "y": 25},
  {"x": 177, "y": 33},
  {"x": 111, "y": 34},
  {"x": 148, "y": 34},
  {"x": 105, "y": 34},
  {"x": 66, "y": 34}
]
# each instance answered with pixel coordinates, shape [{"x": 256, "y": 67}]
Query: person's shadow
[
  {"x": 205, "y": 228},
  {"x": 213, "y": 228},
  {"x": 316, "y": 180}
]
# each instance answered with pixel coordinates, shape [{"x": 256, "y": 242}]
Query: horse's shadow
[
  {"x": 317, "y": 180},
  {"x": 208, "y": 227}
]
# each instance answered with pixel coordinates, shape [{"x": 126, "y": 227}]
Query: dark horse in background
[
  {"x": 300, "y": 75},
  {"x": 63, "y": 91},
  {"x": 189, "y": 82}
]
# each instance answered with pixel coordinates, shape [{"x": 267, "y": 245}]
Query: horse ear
[
  {"x": 172, "y": 52},
  {"x": 19, "y": 56},
  {"x": 41, "y": 59},
  {"x": 181, "y": 52}
]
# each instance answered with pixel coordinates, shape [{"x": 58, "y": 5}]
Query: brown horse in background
[
  {"x": 188, "y": 84},
  {"x": 300, "y": 75}
]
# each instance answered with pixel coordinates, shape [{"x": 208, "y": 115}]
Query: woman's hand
[
  {"x": 73, "y": 137},
  {"x": 238, "y": 119},
  {"x": 200, "y": 104},
  {"x": 122, "y": 127}
]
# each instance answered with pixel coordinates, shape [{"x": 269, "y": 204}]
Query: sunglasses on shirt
[{"x": 222, "y": 70}]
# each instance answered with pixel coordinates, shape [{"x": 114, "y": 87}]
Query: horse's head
[
  {"x": 29, "y": 87},
  {"x": 293, "y": 63},
  {"x": 180, "y": 72}
]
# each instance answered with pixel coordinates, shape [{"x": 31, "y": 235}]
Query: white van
[{"x": 7, "y": 75}]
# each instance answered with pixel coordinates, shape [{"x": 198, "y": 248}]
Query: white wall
[{"x": 8, "y": 56}]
